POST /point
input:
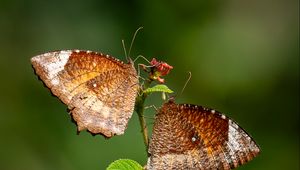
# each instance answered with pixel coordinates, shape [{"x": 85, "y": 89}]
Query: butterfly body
[
  {"x": 192, "y": 137},
  {"x": 98, "y": 89}
]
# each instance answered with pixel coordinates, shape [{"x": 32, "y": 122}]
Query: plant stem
[{"x": 139, "y": 108}]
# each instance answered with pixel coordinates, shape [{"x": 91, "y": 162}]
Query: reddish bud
[{"x": 159, "y": 68}]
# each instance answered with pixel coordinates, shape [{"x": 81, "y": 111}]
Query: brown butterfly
[
  {"x": 98, "y": 89},
  {"x": 192, "y": 137}
]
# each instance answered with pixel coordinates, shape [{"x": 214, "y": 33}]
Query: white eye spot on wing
[{"x": 223, "y": 116}]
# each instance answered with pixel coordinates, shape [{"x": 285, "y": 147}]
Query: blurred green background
[{"x": 243, "y": 55}]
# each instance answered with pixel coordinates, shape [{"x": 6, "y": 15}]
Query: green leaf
[
  {"x": 124, "y": 164},
  {"x": 158, "y": 88}
]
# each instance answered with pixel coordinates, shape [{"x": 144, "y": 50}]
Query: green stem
[{"x": 139, "y": 108}]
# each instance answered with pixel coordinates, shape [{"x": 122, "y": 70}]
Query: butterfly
[
  {"x": 192, "y": 137},
  {"x": 98, "y": 89}
]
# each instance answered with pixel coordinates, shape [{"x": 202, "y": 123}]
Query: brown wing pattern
[
  {"x": 192, "y": 137},
  {"x": 99, "y": 90}
]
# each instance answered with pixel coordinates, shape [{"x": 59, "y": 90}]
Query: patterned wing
[
  {"x": 192, "y": 137},
  {"x": 99, "y": 90}
]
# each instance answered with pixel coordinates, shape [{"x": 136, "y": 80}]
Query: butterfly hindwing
[
  {"x": 192, "y": 137},
  {"x": 99, "y": 90}
]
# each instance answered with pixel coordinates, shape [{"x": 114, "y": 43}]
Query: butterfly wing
[
  {"x": 99, "y": 90},
  {"x": 192, "y": 137}
]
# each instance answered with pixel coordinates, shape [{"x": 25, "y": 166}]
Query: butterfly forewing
[
  {"x": 192, "y": 137},
  {"x": 99, "y": 90}
]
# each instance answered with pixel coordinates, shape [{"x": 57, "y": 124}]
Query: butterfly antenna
[
  {"x": 185, "y": 84},
  {"x": 140, "y": 56},
  {"x": 124, "y": 48},
  {"x": 133, "y": 38}
]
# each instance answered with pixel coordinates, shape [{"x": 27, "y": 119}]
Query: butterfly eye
[{"x": 195, "y": 138}]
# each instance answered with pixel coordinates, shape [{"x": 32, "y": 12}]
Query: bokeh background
[{"x": 243, "y": 56}]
